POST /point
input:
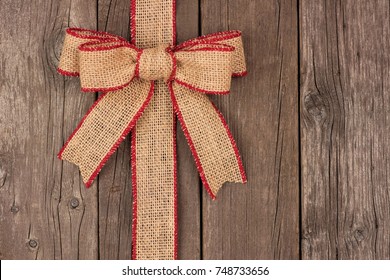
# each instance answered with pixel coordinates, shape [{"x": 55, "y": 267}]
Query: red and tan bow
[{"x": 126, "y": 74}]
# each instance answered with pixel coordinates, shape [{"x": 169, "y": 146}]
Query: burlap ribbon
[{"x": 127, "y": 76}]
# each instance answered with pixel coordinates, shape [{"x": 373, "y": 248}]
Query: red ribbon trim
[
  {"x": 66, "y": 73},
  {"x": 95, "y": 45},
  {"x": 240, "y": 74},
  {"x": 173, "y": 74},
  {"x": 176, "y": 235},
  {"x": 92, "y": 34},
  {"x": 210, "y": 38},
  {"x": 134, "y": 193},
  {"x": 84, "y": 89},
  {"x": 199, "y": 89}
]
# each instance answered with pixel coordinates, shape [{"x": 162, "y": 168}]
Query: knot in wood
[
  {"x": 315, "y": 106},
  {"x": 33, "y": 243},
  {"x": 359, "y": 234},
  {"x": 156, "y": 63},
  {"x": 74, "y": 202},
  {"x": 14, "y": 209}
]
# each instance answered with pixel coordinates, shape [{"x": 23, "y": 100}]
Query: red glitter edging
[
  {"x": 217, "y": 47},
  {"x": 210, "y": 38},
  {"x": 173, "y": 74},
  {"x": 67, "y": 73},
  {"x": 240, "y": 74},
  {"x": 234, "y": 145},
  {"x": 93, "y": 46},
  {"x": 199, "y": 89},
  {"x": 134, "y": 193},
  {"x": 84, "y": 89},
  {"x": 134, "y": 143},
  {"x": 133, "y": 5},
  {"x": 175, "y": 188},
  {"x": 190, "y": 142},
  {"x": 136, "y": 72},
  {"x": 96, "y": 35},
  {"x": 174, "y": 33}
]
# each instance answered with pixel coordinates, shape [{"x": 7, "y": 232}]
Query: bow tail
[
  {"x": 211, "y": 142},
  {"x": 104, "y": 127}
]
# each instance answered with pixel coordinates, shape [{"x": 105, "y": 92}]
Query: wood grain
[
  {"x": 189, "y": 196},
  {"x": 39, "y": 109},
  {"x": 315, "y": 103},
  {"x": 345, "y": 94},
  {"x": 115, "y": 199},
  {"x": 261, "y": 219}
]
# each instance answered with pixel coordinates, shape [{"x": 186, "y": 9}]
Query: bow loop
[
  {"x": 75, "y": 37},
  {"x": 231, "y": 38},
  {"x": 205, "y": 68},
  {"x": 106, "y": 65}
]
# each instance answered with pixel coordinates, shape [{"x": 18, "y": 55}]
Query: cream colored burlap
[{"x": 153, "y": 78}]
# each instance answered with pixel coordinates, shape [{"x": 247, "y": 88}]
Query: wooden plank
[
  {"x": 188, "y": 180},
  {"x": 345, "y": 66},
  {"x": 115, "y": 199},
  {"x": 115, "y": 182},
  {"x": 259, "y": 220},
  {"x": 45, "y": 212}
]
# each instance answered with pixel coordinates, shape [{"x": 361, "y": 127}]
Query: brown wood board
[
  {"x": 345, "y": 92},
  {"x": 311, "y": 120}
]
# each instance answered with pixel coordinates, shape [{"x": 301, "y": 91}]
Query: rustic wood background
[{"x": 311, "y": 119}]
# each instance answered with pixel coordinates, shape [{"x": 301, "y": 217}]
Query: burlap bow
[{"x": 126, "y": 74}]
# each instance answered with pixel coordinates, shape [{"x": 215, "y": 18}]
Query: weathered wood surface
[
  {"x": 327, "y": 61},
  {"x": 345, "y": 99},
  {"x": 260, "y": 219},
  {"x": 45, "y": 210},
  {"x": 115, "y": 198}
]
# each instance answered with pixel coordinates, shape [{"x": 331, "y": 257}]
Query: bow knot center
[{"x": 156, "y": 63}]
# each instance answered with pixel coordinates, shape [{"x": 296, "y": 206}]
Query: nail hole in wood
[
  {"x": 14, "y": 209},
  {"x": 33, "y": 243},
  {"x": 74, "y": 203}
]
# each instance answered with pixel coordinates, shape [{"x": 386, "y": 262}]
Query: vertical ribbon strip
[
  {"x": 146, "y": 83},
  {"x": 153, "y": 148}
]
